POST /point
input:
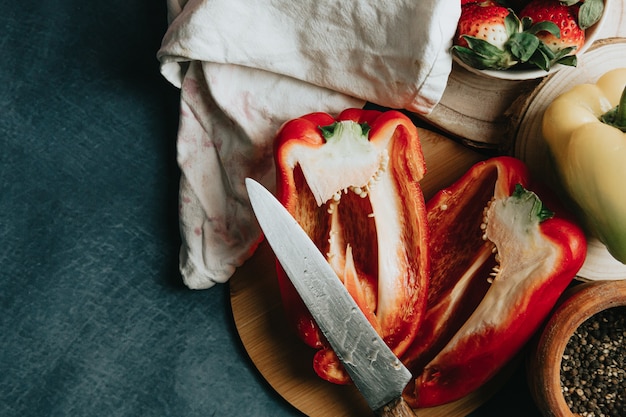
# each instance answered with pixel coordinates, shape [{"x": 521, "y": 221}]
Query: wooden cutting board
[{"x": 283, "y": 359}]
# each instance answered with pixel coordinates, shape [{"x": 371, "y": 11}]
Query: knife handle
[{"x": 396, "y": 408}]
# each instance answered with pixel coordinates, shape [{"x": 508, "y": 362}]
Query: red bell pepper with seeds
[
  {"x": 499, "y": 262},
  {"x": 352, "y": 183}
]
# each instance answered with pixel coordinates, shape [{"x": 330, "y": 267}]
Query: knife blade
[{"x": 377, "y": 373}]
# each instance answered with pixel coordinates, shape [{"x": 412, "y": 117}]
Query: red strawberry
[
  {"x": 483, "y": 32},
  {"x": 565, "y": 17},
  {"x": 483, "y": 20}
]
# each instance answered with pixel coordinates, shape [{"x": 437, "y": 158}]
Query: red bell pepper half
[
  {"x": 499, "y": 262},
  {"x": 352, "y": 182}
]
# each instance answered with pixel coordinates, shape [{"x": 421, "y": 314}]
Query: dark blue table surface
[{"x": 94, "y": 319}]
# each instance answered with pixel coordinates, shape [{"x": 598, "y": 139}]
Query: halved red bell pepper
[
  {"x": 499, "y": 262},
  {"x": 352, "y": 182}
]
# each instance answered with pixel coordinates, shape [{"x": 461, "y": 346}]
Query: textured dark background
[{"x": 94, "y": 319}]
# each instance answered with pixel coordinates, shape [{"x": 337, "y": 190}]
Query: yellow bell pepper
[{"x": 585, "y": 131}]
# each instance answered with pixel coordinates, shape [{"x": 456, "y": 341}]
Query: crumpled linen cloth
[{"x": 245, "y": 67}]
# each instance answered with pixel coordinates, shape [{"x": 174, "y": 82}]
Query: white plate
[{"x": 533, "y": 150}]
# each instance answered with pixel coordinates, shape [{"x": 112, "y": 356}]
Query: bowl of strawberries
[{"x": 525, "y": 39}]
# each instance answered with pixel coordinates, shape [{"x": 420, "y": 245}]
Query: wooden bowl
[{"x": 544, "y": 361}]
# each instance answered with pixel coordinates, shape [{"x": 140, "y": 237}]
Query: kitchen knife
[{"x": 375, "y": 370}]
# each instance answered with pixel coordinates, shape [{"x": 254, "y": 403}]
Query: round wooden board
[
  {"x": 530, "y": 146},
  {"x": 284, "y": 361}
]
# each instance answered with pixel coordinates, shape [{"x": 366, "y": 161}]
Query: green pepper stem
[
  {"x": 539, "y": 209},
  {"x": 616, "y": 117},
  {"x": 330, "y": 130}
]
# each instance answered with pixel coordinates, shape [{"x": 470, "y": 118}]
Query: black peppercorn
[{"x": 593, "y": 366}]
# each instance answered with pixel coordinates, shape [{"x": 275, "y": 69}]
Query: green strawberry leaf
[
  {"x": 569, "y": 60},
  {"x": 589, "y": 13},
  {"x": 484, "y": 57},
  {"x": 523, "y": 45},
  {"x": 546, "y": 26},
  {"x": 547, "y": 51},
  {"x": 540, "y": 59},
  {"x": 470, "y": 58},
  {"x": 467, "y": 56},
  {"x": 512, "y": 23},
  {"x": 563, "y": 53},
  {"x": 482, "y": 47},
  {"x": 545, "y": 59}
]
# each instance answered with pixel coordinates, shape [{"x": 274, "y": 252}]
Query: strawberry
[
  {"x": 565, "y": 17},
  {"x": 482, "y": 33},
  {"x": 588, "y": 11},
  {"x": 483, "y": 20}
]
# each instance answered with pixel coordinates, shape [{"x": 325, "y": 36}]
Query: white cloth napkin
[{"x": 246, "y": 66}]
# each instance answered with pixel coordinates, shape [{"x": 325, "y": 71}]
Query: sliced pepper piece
[
  {"x": 499, "y": 262},
  {"x": 585, "y": 129},
  {"x": 353, "y": 185},
  {"x": 462, "y": 260}
]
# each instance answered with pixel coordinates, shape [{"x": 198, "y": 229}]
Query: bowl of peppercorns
[{"x": 577, "y": 365}]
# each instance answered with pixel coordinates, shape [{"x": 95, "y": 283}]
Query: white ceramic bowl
[{"x": 591, "y": 34}]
